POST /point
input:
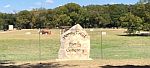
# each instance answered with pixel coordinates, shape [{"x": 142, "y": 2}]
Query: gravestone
[
  {"x": 103, "y": 33},
  {"x": 75, "y": 44},
  {"x": 10, "y": 27}
]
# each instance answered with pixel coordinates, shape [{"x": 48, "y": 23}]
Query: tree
[
  {"x": 74, "y": 18},
  {"x": 131, "y": 22},
  {"x": 50, "y": 19},
  {"x": 1, "y": 21},
  {"x": 64, "y": 20},
  {"x": 72, "y": 7},
  {"x": 133, "y": 17},
  {"x": 24, "y": 19},
  {"x": 115, "y": 12}
]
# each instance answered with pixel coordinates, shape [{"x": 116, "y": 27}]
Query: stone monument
[{"x": 75, "y": 44}]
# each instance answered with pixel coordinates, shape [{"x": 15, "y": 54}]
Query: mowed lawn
[{"x": 18, "y": 45}]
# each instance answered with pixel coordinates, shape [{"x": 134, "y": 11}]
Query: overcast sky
[{"x": 11, "y": 6}]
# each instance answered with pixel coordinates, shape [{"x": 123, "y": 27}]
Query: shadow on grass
[
  {"x": 39, "y": 65},
  {"x": 125, "y": 66},
  {"x": 6, "y": 62},
  {"x": 135, "y": 35}
]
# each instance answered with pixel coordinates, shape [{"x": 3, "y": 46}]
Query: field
[{"x": 19, "y": 46}]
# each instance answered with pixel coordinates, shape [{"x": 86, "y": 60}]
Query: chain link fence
[{"x": 30, "y": 45}]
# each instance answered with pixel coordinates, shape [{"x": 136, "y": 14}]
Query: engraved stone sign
[{"x": 75, "y": 44}]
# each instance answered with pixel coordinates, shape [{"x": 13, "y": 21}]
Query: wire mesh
[{"x": 30, "y": 45}]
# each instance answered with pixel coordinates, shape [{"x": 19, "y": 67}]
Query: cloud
[
  {"x": 30, "y": 8},
  {"x": 112, "y": 3},
  {"x": 7, "y": 6},
  {"x": 49, "y": 1},
  {"x": 44, "y": 2}
]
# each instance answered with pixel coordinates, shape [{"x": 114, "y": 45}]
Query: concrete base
[{"x": 72, "y": 59}]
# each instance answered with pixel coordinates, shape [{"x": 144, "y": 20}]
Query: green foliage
[
  {"x": 131, "y": 22},
  {"x": 133, "y": 17},
  {"x": 23, "y": 19}
]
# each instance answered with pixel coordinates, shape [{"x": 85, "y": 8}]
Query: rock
[{"x": 75, "y": 44}]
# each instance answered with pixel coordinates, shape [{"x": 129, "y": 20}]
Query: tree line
[{"x": 133, "y": 17}]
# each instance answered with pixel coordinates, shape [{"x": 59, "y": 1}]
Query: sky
[{"x": 12, "y": 6}]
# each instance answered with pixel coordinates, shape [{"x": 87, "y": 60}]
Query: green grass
[{"x": 17, "y": 46}]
